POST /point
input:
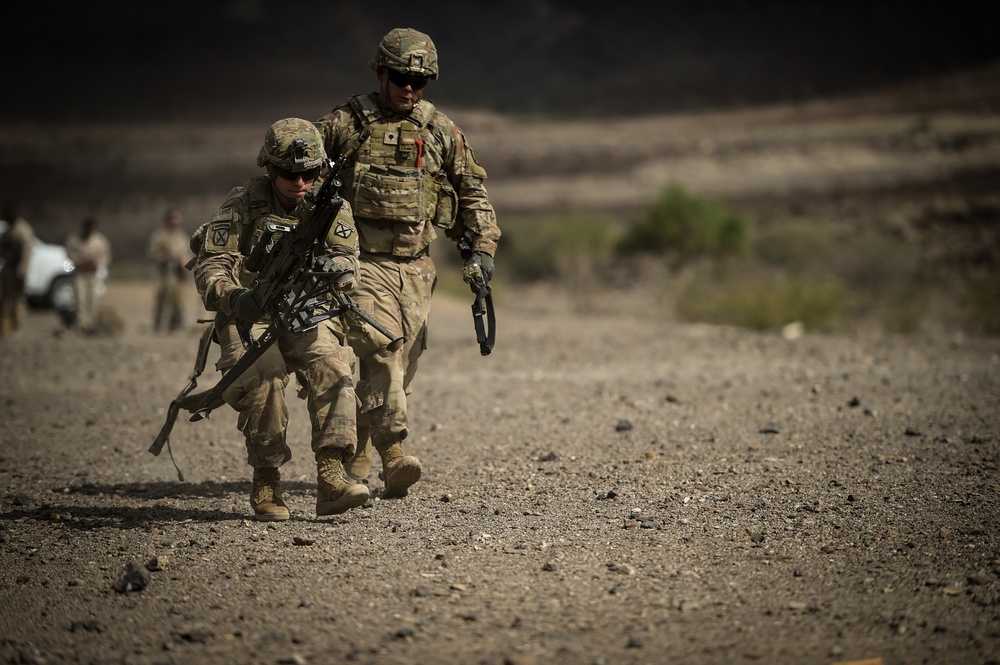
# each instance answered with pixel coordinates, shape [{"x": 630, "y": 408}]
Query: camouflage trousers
[
  {"x": 397, "y": 293},
  {"x": 11, "y": 301},
  {"x": 168, "y": 308},
  {"x": 321, "y": 361}
]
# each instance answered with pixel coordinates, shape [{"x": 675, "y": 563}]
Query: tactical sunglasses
[
  {"x": 292, "y": 176},
  {"x": 403, "y": 80}
]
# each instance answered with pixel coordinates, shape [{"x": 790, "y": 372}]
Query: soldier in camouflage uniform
[
  {"x": 321, "y": 359},
  {"x": 409, "y": 170}
]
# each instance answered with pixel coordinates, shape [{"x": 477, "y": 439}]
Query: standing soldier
[
  {"x": 409, "y": 169},
  {"x": 91, "y": 252},
  {"x": 169, "y": 250},
  {"x": 293, "y": 156},
  {"x": 15, "y": 253}
]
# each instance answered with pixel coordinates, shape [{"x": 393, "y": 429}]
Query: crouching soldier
[{"x": 292, "y": 155}]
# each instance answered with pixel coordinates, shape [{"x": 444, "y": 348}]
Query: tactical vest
[{"x": 396, "y": 200}]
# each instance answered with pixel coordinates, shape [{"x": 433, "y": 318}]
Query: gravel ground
[{"x": 603, "y": 488}]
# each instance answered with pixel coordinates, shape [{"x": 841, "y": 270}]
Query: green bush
[
  {"x": 765, "y": 303},
  {"x": 687, "y": 226}
]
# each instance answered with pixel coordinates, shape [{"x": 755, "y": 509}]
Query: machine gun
[
  {"x": 482, "y": 306},
  {"x": 294, "y": 295}
]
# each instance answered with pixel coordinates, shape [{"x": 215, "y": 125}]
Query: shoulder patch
[
  {"x": 472, "y": 167},
  {"x": 343, "y": 230},
  {"x": 222, "y": 236}
]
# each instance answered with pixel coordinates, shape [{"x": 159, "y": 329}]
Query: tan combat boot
[
  {"x": 334, "y": 494},
  {"x": 359, "y": 466},
  {"x": 265, "y": 496},
  {"x": 399, "y": 471}
]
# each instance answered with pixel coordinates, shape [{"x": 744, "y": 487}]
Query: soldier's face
[
  {"x": 291, "y": 191},
  {"x": 399, "y": 92}
]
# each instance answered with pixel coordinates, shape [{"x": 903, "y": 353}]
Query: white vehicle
[{"x": 49, "y": 282}]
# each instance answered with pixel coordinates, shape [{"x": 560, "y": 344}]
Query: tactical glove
[
  {"x": 478, "y": 267},
  {"x": 245, "y": 306},
  {"x": 339, "y": 268}
]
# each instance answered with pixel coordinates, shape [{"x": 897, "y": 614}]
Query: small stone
[
  {"x": 855, "y": 401},
  {"x": 979, "y": 578},
  {"x": 635, "y": 642},
  {"x": 156, "y": 563},
  {"x": 549, "y": 566},
  {"x": 135, "y": 578},
  {"x": 551, "y": 457},
  {"x": 623, "y": 426},
  {"x": 298, "y": 540},
  {"x": 913, "y": 431}
]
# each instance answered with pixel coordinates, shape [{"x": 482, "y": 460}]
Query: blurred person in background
[
  {"x": 90, "y": 250},
  {"x": 293, "y": 157},
  {"x": 15, "y": 252},
  {"x": 409, "y": 169},
  {"x": 169, "y": 251}
]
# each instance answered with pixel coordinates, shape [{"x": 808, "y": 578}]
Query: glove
[
  {"x": 344, "y": 281},
  {"x": 343, "y": 276},
  {"x": 245, "y": 306},
  {"x": 478, "y": 267}
]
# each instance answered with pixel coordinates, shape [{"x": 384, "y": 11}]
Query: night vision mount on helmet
[
  {"x": 408, "y": 51},
  {"x": 292, "y": 144}
]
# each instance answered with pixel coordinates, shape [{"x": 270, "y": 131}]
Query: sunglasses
[
  {"x": 403, "y": 80},
  {"x": 292, "y": 176}
]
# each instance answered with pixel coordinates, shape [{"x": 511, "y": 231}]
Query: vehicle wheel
[{"x": 62, "y": 295}]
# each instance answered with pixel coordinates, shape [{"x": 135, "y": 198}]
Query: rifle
[
  {"x": 482, "y": 306},
  {"x": 295, "y": 297}
]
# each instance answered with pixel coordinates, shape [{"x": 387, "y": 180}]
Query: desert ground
[{"x": 611, "y": 485}]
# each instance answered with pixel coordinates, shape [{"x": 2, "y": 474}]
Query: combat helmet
[
  {"x": 292, "y": 144},
  {"x": 407, "y": 51}
]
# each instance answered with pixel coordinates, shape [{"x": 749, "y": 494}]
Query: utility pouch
[{"x": 391, "y": 193}]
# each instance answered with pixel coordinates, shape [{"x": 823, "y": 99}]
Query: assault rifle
[{"x": 482, "y": 306}]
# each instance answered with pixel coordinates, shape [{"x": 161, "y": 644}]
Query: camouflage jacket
[
  {"x": 406, "y": 174},
  {"x": 223, "y": 243}
]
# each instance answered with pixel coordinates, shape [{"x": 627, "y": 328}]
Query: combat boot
[
  {"x": 334, "y": 494},
  {"x": 265, "y": 496},
  {"x": 359, "y": 466},
  {"x": 399, "y": 471}
]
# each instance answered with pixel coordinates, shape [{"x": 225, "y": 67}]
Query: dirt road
[{"x": 600, "y": 489}]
